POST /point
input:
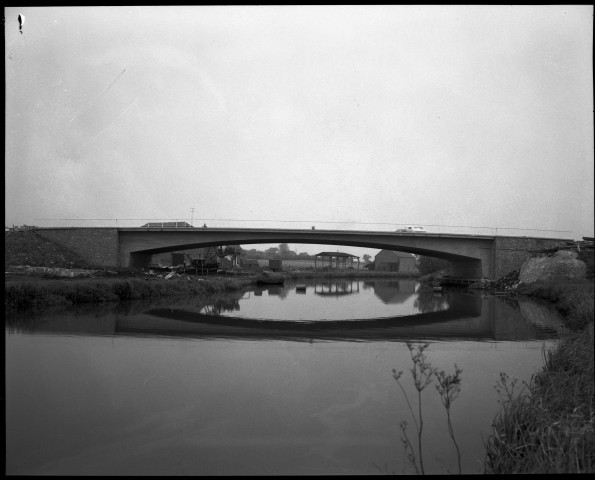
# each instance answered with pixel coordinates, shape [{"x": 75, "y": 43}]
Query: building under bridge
[
  {"x": 394, "y": 261},
  {"x": 335, "y": 260}
]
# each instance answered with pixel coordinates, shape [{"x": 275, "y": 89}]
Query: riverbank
[
  {"x": 35, "y": 289},
  {"x": 39, "y": 293},
  {"x": 549, "y": 427}
]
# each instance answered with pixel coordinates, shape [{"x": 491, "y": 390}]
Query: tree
[
  {"x": 231, "y": 250},
  {"x": 427, "y": 265},
  {"x": 284, "y": 249},
  {"x": 367, "y": 258}
]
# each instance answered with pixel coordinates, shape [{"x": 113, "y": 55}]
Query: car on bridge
[{"x": 410, "y": 229}]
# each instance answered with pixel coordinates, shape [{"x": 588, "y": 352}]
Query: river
[{"x": 279, "y": 380}]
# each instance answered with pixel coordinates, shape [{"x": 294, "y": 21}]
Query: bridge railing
[{"x": 298, "y": 224}]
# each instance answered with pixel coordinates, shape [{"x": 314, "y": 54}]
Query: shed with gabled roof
[{"x": 393, "y": 261}]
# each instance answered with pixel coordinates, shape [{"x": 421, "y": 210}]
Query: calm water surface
[{"x": 282, "y": 380}]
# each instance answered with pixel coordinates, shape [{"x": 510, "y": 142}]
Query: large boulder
[{"x": 563, "y": 265}]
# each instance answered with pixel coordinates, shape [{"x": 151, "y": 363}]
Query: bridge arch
[{"x": 463, "y": 265}]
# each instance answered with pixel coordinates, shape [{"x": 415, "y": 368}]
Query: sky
[{"x": 461, "y": 119}]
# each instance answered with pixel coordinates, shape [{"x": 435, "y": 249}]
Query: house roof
[{"x": 335, "y": 254}]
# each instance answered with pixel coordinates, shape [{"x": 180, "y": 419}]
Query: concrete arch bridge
[{"x": 471, "y": 256}]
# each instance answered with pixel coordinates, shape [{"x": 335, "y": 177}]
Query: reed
[
  {"x": 449, "y": 387},
  {"x": 550, "y": 426},
  {"x": 577, "y": 308}
]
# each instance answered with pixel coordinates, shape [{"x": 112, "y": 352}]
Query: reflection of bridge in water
[
  {"x": 475, "y": 318},
  {"x": 470, "y": 318}
]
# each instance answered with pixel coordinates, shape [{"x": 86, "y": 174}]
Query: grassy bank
[
  {"x": 40, "y": 294},
  {"x": 550, "y": 426}
]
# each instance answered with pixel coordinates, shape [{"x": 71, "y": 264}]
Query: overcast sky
[{"x": 372, "y": 116}]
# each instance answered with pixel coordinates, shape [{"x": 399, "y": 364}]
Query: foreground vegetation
[
  {"x": 448, "y": 387},
  {"x": 548, "y": 427}
]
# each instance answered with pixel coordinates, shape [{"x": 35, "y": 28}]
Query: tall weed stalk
[{"x": 449, "y": 387}]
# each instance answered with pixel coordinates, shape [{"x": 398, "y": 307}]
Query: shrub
[{"x": 122, "y": 290}]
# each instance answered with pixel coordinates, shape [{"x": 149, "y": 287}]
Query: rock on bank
[{"x": 561, "y": 266}]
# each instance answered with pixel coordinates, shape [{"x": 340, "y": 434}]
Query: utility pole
[{"x": 192, "y": 217}]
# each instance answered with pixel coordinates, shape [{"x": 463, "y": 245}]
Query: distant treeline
[{"x": 282, "y": 251}]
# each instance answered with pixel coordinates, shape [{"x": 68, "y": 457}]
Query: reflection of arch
[
  {"x": 484, "y": 319},
  {"x": 167, "y": 321},
  {"x": 336, "y": 288}
]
